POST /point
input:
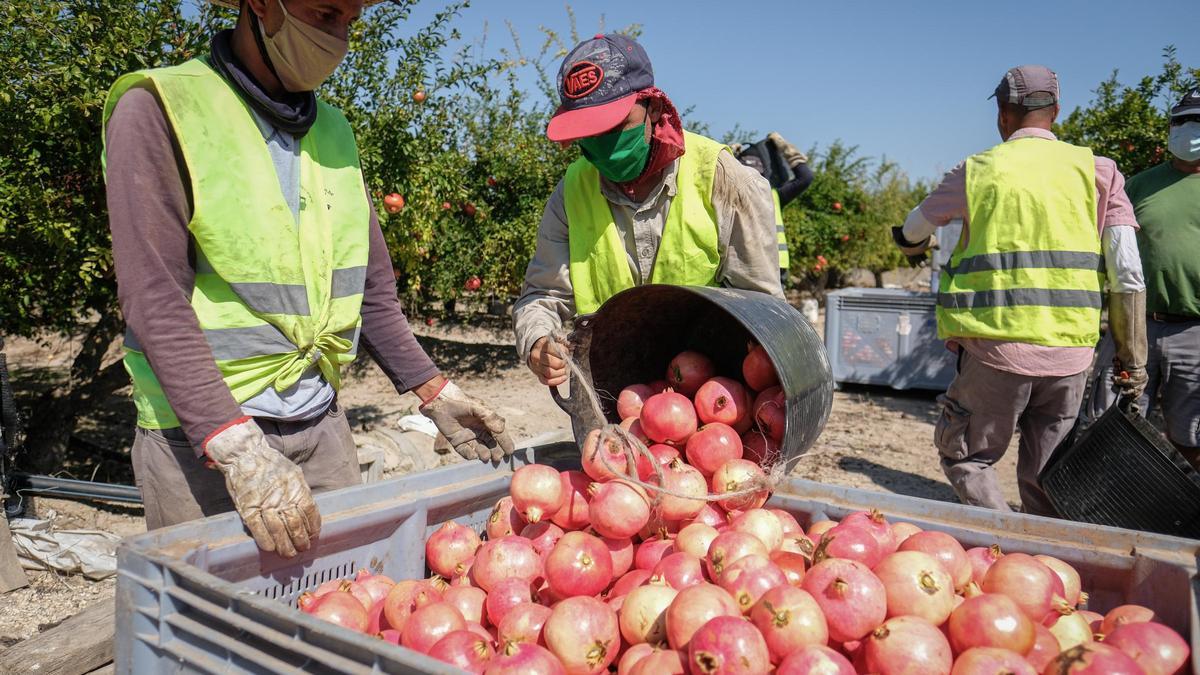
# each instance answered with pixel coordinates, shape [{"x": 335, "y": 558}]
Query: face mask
[
  {"x": 1184, "y": 141},
  {"x": 303, "y": 56},
  {"x": 618, "y": 155}
]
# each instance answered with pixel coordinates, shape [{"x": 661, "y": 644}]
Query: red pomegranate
[
  {"x": 982, "y": 558},
  {"x": 506, "y": 594},
  {"x": 523, "y": 658},
  {"x": 338, "y": 607},
  {"x": 695, "y": 538},
  {"x": 405, "y": 598},
  {"x": 660, "y": 455},
  {"x": 729, "y": 547},
  {"x": 916, "y": 585},
  {"x": 770, "y": 413},
  {"x": 1094, "y": 658},
  {"x": 749, "y": 577},
  {"x": 852, "y": 598},
  {"x": 793, "y": 565},
  {"x": 686, "y": 486},
  {"x": 692, "y": 608},
  {"x": 643, "y": 615},
  {"x": 1044, "y": 649},
  {"x": 619, "y": 509},
  {"x": 463, "y": 649},
  {"x": 759, "y": 448},
  {"x": 850, "y": 542},
  {"x": 738, "y": 475},
  {"x": 631, "y": 399},
  {"x": 1124, "y": 614},
  {"x": 1070, "y": 629},
  {"x": 669, "y": 417},
  {"x": 523, "y": 623},
  {"x": 722, "y": 400},
  {"x": 907, "y": 644},
  {"x": 1068, "y": 575},
  {"x": 787, "y": 521},
  {"x": 580, "y": 564},
  {"x": 991, "y": 661},
  {"x": 630, "y": 657},
  {"x": 728, "y": 644},
  {"x": 505, "y": 558},
  {"x": 574, "y": 512},
  {"x": 468, "y": 600},
  {"x": 583, "y": 633},
  {"x": 1028, "y": 582},
  {"x": 762, "y": 524},
  {"x": 634, "y": 427},
  {"x": 815, "y": 660},
  {"x": 688, "y": 371},
  {"x": 449, "y": 548},
  {"x": 757, "y": 369},
  {"x": 680, "y": 570},
  {"x": 629, "y": 581},
  {"x": 429, "y": 624},
  {"x": 991, "y": 620},
  {"x": 819, "y": 528},
  {"x": 543, "y": 535},
  {"x": 537, "y": 490},
  {"x": 661, "y": 662},
  {"x": 902, "y": 531},
  {"x": 504, "y": 520},
  {"x": 713, "y": 445},
  {"x": 877, "y": 525},
  {"x": 789, "y": 619},
  {"x": 1156, "y": 648},
  {"x": 798, "y": 542},
  {"x": 603, "y": 460},
  {"x": 621, "y": 551},
  {"x": 649, "y": 552},
  {"x": 713, "y": 515},
  {"x": 946, "y": 550},
  {"x": 376, "y": 585}
]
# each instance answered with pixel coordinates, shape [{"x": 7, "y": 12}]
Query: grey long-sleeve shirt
[
  {"x": 746, "y": 240},
  {"x": 150, "y": 206}
]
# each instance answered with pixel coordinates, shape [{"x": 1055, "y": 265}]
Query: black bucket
[
  {"x": 1121, "y": 472},
  {"x": 634, "y": 335}
]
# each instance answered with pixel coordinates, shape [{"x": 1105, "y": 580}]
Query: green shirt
[{"x": 1167, "y": 204}]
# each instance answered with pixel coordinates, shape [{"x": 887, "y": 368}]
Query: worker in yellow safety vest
[
  {"x": 788, "y": 190},
  {"x": 647, "y": 202},
  {"x": 251, "y": 267},
  {"x": 1045, "y": 225}
]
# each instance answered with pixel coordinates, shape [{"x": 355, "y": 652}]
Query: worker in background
[
  {"x": 647, "y": 202},
  {"x": 802, "y": 177},
  {"x": 1166, "y": 199},
  {"x": 1045, "y": 224},
  {"x": 250, "y": 269}
]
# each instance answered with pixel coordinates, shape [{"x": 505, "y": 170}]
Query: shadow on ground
[
  {"x": 458, "y": 358},
  {"x": 900, "y": 482}
]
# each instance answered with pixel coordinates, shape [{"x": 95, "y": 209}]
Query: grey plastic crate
[
  {"x": 200, "y": 597},
  {"x": 887, "y": 337}
]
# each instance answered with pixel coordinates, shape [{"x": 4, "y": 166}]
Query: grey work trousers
[
  {"x": 177, "y": 486},
  {"x": 980, "y": 412}
]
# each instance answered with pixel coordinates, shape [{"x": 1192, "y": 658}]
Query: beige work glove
[
  {"x": 791, "y": 154},
  {"x": 268, "y": 490},
  {"x": 473, "y": 429},
  {"x": 1127, "y": 321}
]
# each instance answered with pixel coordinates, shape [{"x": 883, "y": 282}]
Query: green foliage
[{"x": 1129, "y": 124}]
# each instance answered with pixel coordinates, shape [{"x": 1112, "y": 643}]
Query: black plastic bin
[{"x": 1121, "y": 472}]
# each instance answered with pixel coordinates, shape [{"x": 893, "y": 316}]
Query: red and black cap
[{"x": 598, "y": 83}]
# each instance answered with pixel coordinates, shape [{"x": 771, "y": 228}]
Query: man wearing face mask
[
  {"x": 250, "y": 269},
  {"x": 647, "y": 202},
  {"x": 1045, "y": 225},
  {"x": 1166, "y": 199}
]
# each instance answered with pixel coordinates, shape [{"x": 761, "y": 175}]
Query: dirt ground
[{"x": 876, "y": 439}]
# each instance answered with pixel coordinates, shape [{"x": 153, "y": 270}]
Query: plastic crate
[
  {"x": 200, "y": 597},
  {"x": 886, "y": 337},
  {"x": 1122, "y": 472}
]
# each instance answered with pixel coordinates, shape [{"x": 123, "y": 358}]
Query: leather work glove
[
  {"x": 1127, "y": 321},
  {"x": 916, "y": 253},
  {"x": 790, "y": 153},
  {"x": 268, "y": 490},
  {"x": 475, "y": 431}
]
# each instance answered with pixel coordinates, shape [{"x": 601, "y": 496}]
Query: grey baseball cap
[
  {"x": 598, "y": 84},
  {"x": 1032, "y": 87},
  {"x": 1188, "y": 105}
]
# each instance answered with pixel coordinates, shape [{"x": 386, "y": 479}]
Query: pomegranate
[
  {"x": 876, "y": 525},
  {"x": 787, "y": 522},
  {"x": 390, "y": 636},
  {"x": 376, "y": 585},
  {"x": 688, "y": 486},
  {"x": 738, "y": 475},
  {"x": 907, "y": 644},
  {"x": 669, "y": 417},
  {"x": 463, "y": 649},
  {"x": 852, "y": 598},
  {"x": 661, "y": 662},
  {"x": 759, "y": 448},
  {"x": 793, "y": 565},
  {"x": 580, "y": 564},
  {"x": 688, "y": 371},
  {"x": 406, "y": 597},
  {"x": 523, "y": 658},
  {"x": 757, "y": 369},
  {"x": 916, "y": 585},
  {"x": 429, "y": 624},
  {"x": 1156, "y": 648},
  {"x": 643, "y": 616},
  {"x": 583, "y": 633},
  {"x": 819, "y": 528},
  {"x": 662, "y": 455},
  {"x": 762, "y": 524},
  {"x": 749, "y": 577},
  {"x": 603, "y": 460},
  {"x": 1124, "y": 614},
  {"x": 991, "y": 661},
  {"x": 574, "y": 512},
  {"x": 771, "y": 415},
  {"x": 618, "y": 509},
  {"x": 449, "y": 548},
  {"x": 504, "y": 520},
  {"x": 1028, "y": 582},
  {"x": 694, "y": 607},
  {"x": 902, "y": 531},
  {"x": 713, "y": 445},
  {"x": 788, "y": 618},
  {"x": 1094, "y": 619},
  {"x": 713, "y": 515},
  {"x": 728, "y": 644},
  {"x": 695, "y": 539},
  {"x": 630, "y": 658},
  {"x": 505, "y": 558},
  {"x": 523, "y": 623},
  {"x": 338, "y": 607},
  {"x": 649, "y": 552},
  {"x": 1070, "y": 629},
  {"x": 536, "y": 490},
  {"x": 506, "y": 594},
  {"x": 1044, "y": 649},
  {"x": 991, "y": 620},
  {"x": 658, "y": 386},
  {"x": 946, "y": 550},
  {"x": 629, "y": 581},
  {"x": 468, "y": 600},
  {"x": 1094, "y": 658},
  {"x": 728, "y": 547},
  {"x": 815, "y": 660},
  {"x": 376, "y": 621},
  {"x": 680, "y": 570},
  {"x": 634, "y": 427},
  {"x": 1067, "y": 574},
  {"x": 798, "y": 542},
  {"x": 982, "y": 558},
  {"x": 360, "y": 593},
  {"x": 722, "y": 400},
  {"x": 478, "y": 629},
  {"x": 660, "y": 529},
  {"x": 543, "y": 536},
  {"x": 850, "y": 542},
  {"x": 621, "y": 551},
  {"x": 631, "y": 399}
]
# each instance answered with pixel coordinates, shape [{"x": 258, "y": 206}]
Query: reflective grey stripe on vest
[
  {"x": 779, "y": 229},
  {"x": 1025, "y": 260},
  {"x": 783, "y": 247},
  {"x": 268, "y": 298},
  {"x": 1013, "y": 297},
  {"x": 228, "y": 344},
  {"x": 349, "y": 281}
]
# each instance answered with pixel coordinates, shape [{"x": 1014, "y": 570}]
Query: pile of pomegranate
[{"x": 590, "y": 571}]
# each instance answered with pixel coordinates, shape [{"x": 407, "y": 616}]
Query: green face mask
[{"x": 618, "y": 155}]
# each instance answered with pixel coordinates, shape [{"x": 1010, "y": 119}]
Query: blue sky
[{"x": 908, "y": 80}]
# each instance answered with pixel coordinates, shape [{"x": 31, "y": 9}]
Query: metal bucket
[{"x": 633, "y": 336}]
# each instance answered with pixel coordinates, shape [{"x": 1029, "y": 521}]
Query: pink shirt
[{"x": 948, "y": 201}]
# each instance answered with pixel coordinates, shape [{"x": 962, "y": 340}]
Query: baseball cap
[
  {"x": 598, "y": 84},
  {"x": 1033, "y": 87},
  {"x": 1189, "y": 105}
]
